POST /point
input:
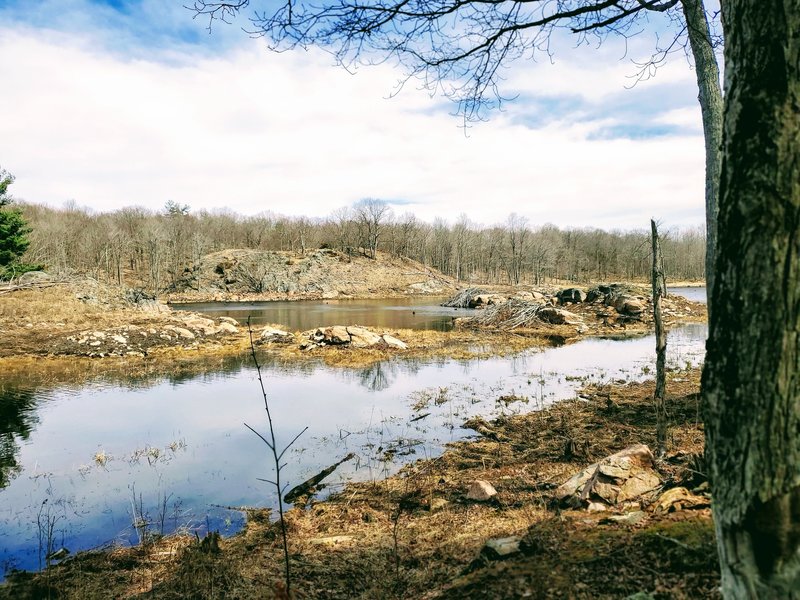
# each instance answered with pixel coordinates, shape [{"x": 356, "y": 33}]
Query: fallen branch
[{"x": 309, "y": 486}]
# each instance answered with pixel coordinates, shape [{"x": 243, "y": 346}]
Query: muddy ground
[{"x": 417, "y": 535}]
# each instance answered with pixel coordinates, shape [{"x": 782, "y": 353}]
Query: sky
[{"x": 120, "y": 103}]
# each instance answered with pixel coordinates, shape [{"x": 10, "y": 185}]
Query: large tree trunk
[
  {"x": 710, "y": 97},
  {"x": 751, "y": 382}
]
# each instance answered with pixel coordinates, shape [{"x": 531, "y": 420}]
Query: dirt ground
[{"x": 417, "y": 535}]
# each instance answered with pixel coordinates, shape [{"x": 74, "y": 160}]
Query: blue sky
[{"x": 132, "y": 102}]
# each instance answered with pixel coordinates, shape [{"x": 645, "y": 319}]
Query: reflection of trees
[
  {"x": 17, "y": 418},
  {"x": 378, "y": 376}
]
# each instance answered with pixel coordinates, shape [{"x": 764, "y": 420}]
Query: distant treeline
[{"x": 151, "y": 249}]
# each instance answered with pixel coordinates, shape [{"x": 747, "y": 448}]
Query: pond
[
  {"x": 81, "y": 464},
  {"x": 396, "y": 313},
  {"x": 696, "y": 294}
]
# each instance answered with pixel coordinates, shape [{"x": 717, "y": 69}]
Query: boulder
[
  {"x": 623, "y": 476},
  {"x": 393, "y": 342},
  {"x": 501, "y": 548},
  {"x": 335, "y": 335},
  {"x": 481, "y": 491},
  {"x": 361, "y": 337},
  {"x": 274, "y": 335},
  {"x": 573, "y": 295},
  {"x": 631, "y": 306},
  {"x": 558, "y": 316}
]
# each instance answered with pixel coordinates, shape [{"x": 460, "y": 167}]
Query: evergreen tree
[
  {"x": 14, "y": 232},
  {"x": 13, "y": 236}
]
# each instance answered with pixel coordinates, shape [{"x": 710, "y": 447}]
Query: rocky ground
[
  {"x": 493, "y": 517},
  {"x": 83, "y": 318},
  {"x": 238, "y": 275},
  {"x": 603, "y": 309}
]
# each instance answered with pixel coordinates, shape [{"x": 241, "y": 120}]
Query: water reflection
[
  {"x": 396, "y": 313},
  {"x": 17, "y": 420}
]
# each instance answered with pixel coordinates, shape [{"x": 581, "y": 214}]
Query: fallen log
[{"x": 309, "y": 486}]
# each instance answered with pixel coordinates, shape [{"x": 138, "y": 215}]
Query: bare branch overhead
[{"x": 455, "y": 47}]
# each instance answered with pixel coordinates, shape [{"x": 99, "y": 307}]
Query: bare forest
[{"x": 136, "y": 246}]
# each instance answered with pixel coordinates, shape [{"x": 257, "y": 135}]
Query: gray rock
[
  {"x": 558, "y": 316},
  {"x": 393, "y": 342},
  {"x": 617, "y": 478},
  {"x": 501, "y": 548},
  {"x": 481, "y": 491},
  {"x": 573, "y": 295},
  {"x": 363, "y": 338},
  {"x": 275, "y": 335}
]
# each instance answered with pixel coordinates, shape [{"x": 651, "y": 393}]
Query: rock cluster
[
  {"x": 136, "y": 340},
  {"x": 618, "y": 303},
  {"x": 352, "y": 336}
]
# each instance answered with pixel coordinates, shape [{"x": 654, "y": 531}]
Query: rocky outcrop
[
  {"x": 351, "y": 336},
  {"x": 238, "y": 274}
]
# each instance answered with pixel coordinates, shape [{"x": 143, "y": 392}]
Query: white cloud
[{"x": 254, "y": 131}]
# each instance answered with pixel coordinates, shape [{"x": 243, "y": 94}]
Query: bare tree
[{"x": 371, "y": 216}]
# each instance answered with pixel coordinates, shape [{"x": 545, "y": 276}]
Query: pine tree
[{"x": 14, "y": 232}]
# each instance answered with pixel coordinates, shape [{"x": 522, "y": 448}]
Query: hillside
[{"x": 233, "y": 275}]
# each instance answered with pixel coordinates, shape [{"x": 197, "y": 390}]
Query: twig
[{"x": 276, "y": 456}]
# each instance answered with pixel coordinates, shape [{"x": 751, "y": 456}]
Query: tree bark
[
  {"x": 751, "y": 381},
  {"x": 711, "y": 108},
  {"x": 661, "y": 343}
]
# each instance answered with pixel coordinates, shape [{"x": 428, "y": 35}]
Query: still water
[
  {"x": 696, "y": 294},
  {"x": 91, "y": 460},
  {"x": 397, "y": 313}
]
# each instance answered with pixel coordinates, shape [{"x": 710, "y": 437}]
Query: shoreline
[{"x": 420, "y": 530}]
